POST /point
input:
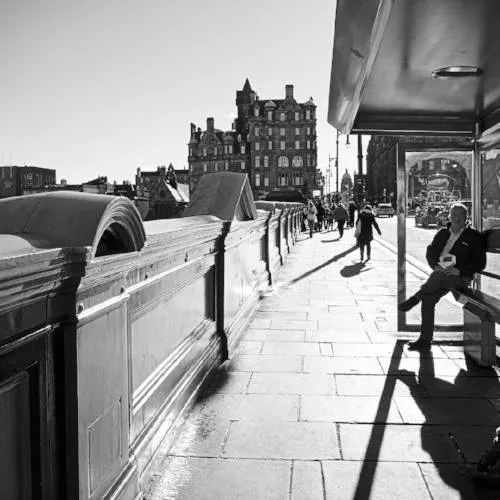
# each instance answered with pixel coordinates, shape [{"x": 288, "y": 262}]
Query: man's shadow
[{"x": 432, "y": 406}]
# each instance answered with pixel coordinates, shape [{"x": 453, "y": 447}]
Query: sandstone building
[{"x": 273, "y": 141}]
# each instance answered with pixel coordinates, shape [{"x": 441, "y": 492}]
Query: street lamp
[{"x": 336, "y": 158}]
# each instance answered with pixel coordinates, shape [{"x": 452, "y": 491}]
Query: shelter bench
[{"x": 481, "y": 313}]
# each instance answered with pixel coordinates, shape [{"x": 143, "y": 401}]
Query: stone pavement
[{"x": 323, "y": 401}]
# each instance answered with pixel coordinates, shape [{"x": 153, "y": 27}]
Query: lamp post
[{"x": 337, "y": 168}]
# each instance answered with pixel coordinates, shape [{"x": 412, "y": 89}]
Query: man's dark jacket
[{"x": 469, "y": 251}]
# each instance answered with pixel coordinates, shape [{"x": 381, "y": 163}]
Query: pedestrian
[
  {"x": 311, "y": 217},
  {"x": 320, "y": 215},
  {"x": 456, "y": 253},
  {"x": 352, "y": 210},
  {"x": 364, "y": 230},
  {"x": 329, "y": 218},
  {"x": 340, "y": 215}
]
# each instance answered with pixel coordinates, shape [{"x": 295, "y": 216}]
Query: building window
[
  {"x": 297, "y": 161},
  {"x": 283, "y": 161},
  {"x": 308, "y": 146},
  {"x": 266, "y": 181},
  {"x": 314, "y": 144},
  {"x": 239, "y": 137},
  {"x": 216, "y": 166},
  {"x": 282, "y": 131},
  {"x": 226, "y": 165},
  {"x": 190, "y": 151},
  {"x": 266, "y": 161},
  {"x": 230, "y": 149},
  {"x": 314, "y": 162},
  {"x": 297, "y": 118},
  {"x": 282, "y": 116},
  {"x": 243, "y": 149},
  {"x": 297, "y": 144},
  {"x": 257, "y": 162},
  {"x": 309, "y": 160},
  {"x": 308, "y": 130},
  {"x": 257, "y": 180},
  {"x": 204, "y": 151},
  {"x": 257, "y": 131},
  {"x": 270, "y": 131},
  {"x": 256, "y": 111},
  {"x": 282, "y": 145},
  {"x": 308, "y": 114},
  {"x": 269, "y": 115},
  {"x": 269, "y": 144},
  {"x": 297, "y": 131},
  {"x": 297, "y": 179},
  {"x": 257, "y": 146},
  {"x": 243, "y": 165},
  {"x": 283, "y": 180},
  {"x": 205, "y": 168}
]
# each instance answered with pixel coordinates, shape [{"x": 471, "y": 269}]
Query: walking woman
[{"x": 364, "y": 231}]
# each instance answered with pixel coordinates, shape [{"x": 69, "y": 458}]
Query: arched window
[
  {"x": 297, "y": 161},
  {"x": 283, "y": 161}
]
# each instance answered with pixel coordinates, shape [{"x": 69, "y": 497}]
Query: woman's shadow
[{"x": 354, "y": 269}]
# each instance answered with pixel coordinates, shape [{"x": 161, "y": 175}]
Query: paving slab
[
  {"x": 307, "y": 480},
  {"x": 282, "y": 440},
  {"x": 375, "y": 481},
  {"x": 266, "y": 363},
  {"x": 360, "y": 409},
  {"x": 222, "y": 479},
  {"x": 292, "y": 383}
]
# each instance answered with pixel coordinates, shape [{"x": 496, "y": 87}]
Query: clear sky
[{"x": 101, "y": 87}]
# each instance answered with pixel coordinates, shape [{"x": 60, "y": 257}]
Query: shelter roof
[{"x": 384, "y": 56}]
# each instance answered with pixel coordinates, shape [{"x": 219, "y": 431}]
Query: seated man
[{"x": 455, "y": 254}]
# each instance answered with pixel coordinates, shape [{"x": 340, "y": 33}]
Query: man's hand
[{"x": 452, "y": 271}]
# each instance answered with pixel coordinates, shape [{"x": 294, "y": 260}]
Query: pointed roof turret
[{"x": 247, "y": 87}]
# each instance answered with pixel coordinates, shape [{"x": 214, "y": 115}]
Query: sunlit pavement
[{"x": 323, "y": 400}]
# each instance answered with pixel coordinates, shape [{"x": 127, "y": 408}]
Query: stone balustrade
[{"x": 106, "y": 336}]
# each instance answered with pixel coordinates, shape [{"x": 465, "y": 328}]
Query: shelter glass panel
[{"x": 490, "y": 216}]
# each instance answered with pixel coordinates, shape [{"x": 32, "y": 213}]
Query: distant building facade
[
  {"x": 167, "y": 195},
  {"x": 14, "y": 179},
  {"x": 273, "y": 141}
]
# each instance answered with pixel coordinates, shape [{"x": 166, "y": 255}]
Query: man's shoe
[
  {"x": 408, "y": 304},
  {"x": 419, "y": 345}
]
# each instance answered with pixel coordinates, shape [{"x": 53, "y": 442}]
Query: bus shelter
[{"x": 417, "y": 68}]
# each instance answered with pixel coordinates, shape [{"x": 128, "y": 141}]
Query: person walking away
[
  {"x": 352, "y": 210},
  {"x": 320, "y": 215},
  {"x": 366, "y": 221},
  {"x": 311, "y": 217},
  {"x": 340, "y": 215},
  {"x": 455, "y": 254}
]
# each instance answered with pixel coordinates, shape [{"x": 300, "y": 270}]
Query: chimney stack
[
  {"x": 289, "y": 91},
  {"x": 210, "y": 124}
]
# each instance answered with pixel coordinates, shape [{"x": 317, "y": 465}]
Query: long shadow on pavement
[{"x": 324, "y": 264}]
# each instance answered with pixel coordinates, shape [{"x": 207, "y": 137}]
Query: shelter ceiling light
[{"x": 457, "y": 72}]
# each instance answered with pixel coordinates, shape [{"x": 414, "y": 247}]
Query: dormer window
[
  {"x": 256, "y": 111},
  {"x": 297, "y": 116}
]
